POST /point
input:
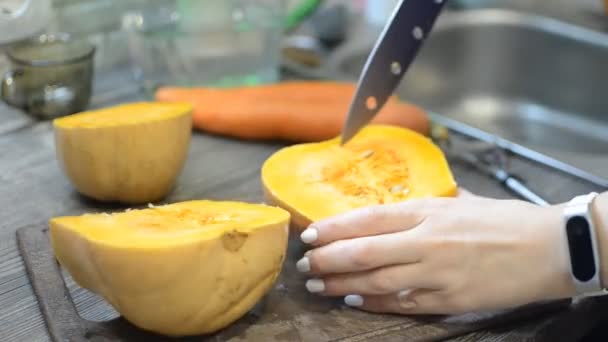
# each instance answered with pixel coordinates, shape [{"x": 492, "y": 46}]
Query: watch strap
[
  {"x": 580, "y": 206},
  {"x": 583, "y": 199}
]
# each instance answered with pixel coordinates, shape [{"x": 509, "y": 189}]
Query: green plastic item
[{"x": 302, "y": 11}]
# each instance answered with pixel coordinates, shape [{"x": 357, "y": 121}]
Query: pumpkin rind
[
  {"x": 130, "y": 153},
  {"x": 182, "y": 269},
  {"x": 381, "y": 164}
]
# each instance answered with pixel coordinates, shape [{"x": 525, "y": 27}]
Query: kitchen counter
[{"x": 34, "y": 190}]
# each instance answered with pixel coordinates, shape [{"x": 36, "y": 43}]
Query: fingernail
[
  {"x": 353, "y": 300},
  {"x": 309, "y": 235},
  {"x": 307, "y": 254},
  {"x": 303, "y": 265},
  {"x": 315, "y": 285}
]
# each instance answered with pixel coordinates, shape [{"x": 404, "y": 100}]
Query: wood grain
[
  {"x": 12, "y": 119},
  {"x": 34, "y": 190},
  {"x": 287, "y": 305}
]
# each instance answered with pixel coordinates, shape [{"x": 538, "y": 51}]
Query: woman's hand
[{"x": 440, "y": 256}]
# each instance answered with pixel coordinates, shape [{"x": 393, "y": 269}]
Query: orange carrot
[{"x": 297, "y": 111}]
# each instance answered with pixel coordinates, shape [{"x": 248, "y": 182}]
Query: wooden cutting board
[{"x": 288, "y": 312}]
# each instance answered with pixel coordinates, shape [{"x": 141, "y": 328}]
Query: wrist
[
  {"x": 587, "y": 243},
  {"x": 560, "y": 284},
  {"x": 600, "y": 216}
]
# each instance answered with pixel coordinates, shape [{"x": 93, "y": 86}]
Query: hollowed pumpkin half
[
  {"x": 182, "y": 269},
  {"x": 381, "y": 164}
]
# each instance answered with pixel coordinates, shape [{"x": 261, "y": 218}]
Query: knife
[{"x": 390, "y": 58}]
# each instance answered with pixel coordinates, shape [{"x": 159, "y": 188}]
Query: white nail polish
[
  {"x": 315, "y": 285},
  {"x": 303, "y": 265},
  {"x": 309, "y": 235},
  {"x": 353, "y": 300}
]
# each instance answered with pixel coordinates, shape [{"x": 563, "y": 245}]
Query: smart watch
[{"x": 585, "y": 264}]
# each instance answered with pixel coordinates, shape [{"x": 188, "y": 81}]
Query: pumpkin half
[
  {"x": 381, "y": 164},
  {"x": 130, "y": 153},
  {"x": 181, "y": 269}
]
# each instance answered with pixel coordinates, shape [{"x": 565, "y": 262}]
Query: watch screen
[{"x": 581, "y": 248}]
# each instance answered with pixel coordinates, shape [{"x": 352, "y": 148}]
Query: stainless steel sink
[{"x": 538, "y": 83}]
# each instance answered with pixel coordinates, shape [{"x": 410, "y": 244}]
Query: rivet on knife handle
[{"x": 389, "y": 60}]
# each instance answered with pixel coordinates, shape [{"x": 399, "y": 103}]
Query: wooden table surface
[{"x": 34, "y": 189}]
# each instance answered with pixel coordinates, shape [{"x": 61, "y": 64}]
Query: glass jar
[{"x": 206, "y": 42}]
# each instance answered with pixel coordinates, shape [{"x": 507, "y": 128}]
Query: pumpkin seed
[
  {"x": 396, "y": 188},
  {"x": 367, "y": 154},
  {"x": 399, "y": 189}
]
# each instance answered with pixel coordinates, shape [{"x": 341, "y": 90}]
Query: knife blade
[{"x": 392, "y": 55}]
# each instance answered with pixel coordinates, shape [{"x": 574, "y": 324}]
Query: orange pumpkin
[{"x": 381, "y": 164}]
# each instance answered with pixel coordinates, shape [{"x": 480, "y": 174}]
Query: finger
[
  {"x": 361, "y": 254},
  {"x": 408, "y": 302},
  {"x": 372, "y": 220},
  {"x": 384, "y": 280}
]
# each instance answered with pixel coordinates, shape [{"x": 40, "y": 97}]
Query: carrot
[{"x": 297, "y": 111}]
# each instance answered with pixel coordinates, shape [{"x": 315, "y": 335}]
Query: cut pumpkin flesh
[
  {"x": 182, "y": 269},
  {"x": 381, "y": 164},
  {"x": 124, "y": 115}
]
